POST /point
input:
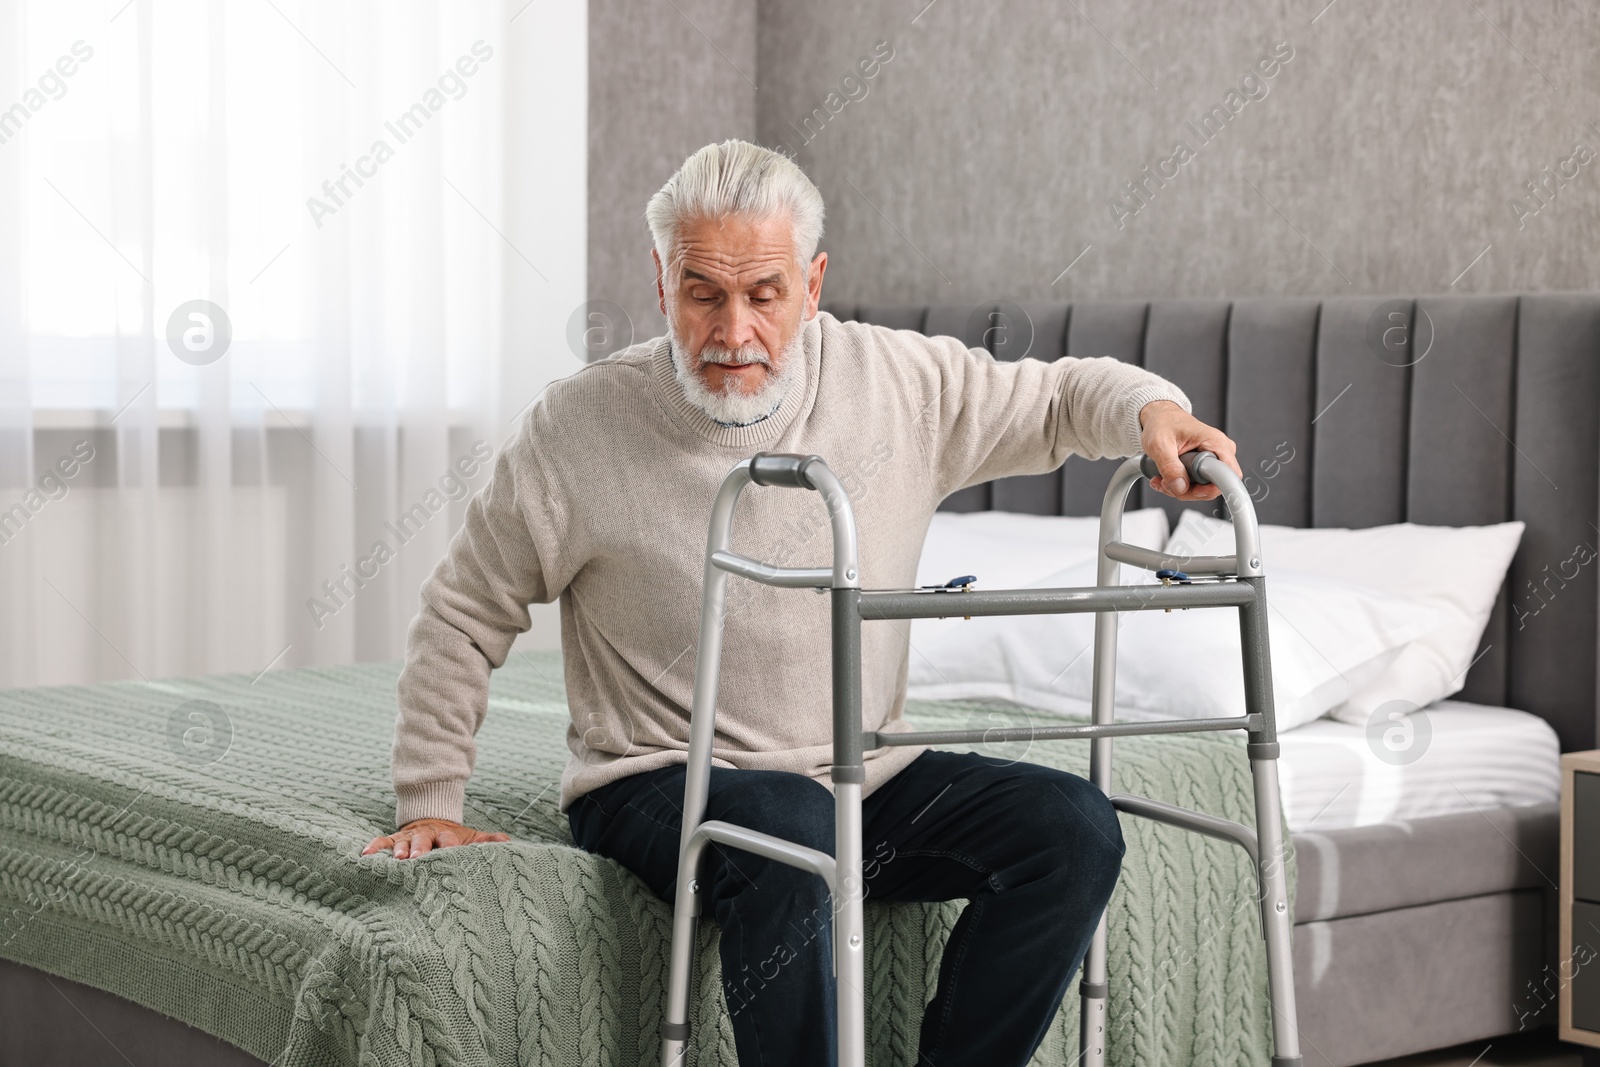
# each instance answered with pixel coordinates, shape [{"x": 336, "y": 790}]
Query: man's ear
[
  {"x": 661, "y": 289},
  {"x": 819, "y": 266}
]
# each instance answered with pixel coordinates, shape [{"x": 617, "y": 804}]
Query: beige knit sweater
[{"x": 602, "y": 498}]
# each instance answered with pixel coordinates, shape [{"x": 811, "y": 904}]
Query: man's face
[{"x": 734, "y": 297}]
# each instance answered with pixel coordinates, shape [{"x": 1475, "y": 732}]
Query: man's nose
[{"x": 736, "y": 325}]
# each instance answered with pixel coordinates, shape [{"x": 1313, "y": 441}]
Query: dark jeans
[{"x": 1035, "y": 850}]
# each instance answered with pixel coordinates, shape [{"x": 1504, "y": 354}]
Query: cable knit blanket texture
[{"x": 192, "y": 845}]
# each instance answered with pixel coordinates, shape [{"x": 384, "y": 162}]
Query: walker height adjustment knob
[{"x": 1168, "y": 576}]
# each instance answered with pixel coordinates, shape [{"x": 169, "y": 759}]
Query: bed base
[{"x": 1407, "y": 937}]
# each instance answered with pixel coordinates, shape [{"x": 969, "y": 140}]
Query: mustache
[{"x": 752, "y": 353}]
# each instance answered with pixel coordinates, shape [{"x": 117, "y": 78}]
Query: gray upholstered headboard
[{"x": 1450, "y": 410}]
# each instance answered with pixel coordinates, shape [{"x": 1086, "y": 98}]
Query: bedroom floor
[{"x": 1533, "y": 1050}]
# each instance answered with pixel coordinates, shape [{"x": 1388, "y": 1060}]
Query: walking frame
[{"x": 1235, "y": 581}]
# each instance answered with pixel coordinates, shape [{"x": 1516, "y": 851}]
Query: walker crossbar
[
  {"x": 1197, "y": 821},
  {"x": 1235, "y": 581},
  {"x": 1151, "y": 560},
  {"x": 935, "y": 605},
  {"x": 873, "y": 739},
  {"x": 761, "y": 844},
  {"x": 767, "y": 574}
]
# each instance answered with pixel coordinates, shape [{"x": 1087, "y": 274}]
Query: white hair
[{"x": 737, "y": 178}]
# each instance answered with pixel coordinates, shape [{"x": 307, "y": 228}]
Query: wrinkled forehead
[{"x": 736, "y": 252}]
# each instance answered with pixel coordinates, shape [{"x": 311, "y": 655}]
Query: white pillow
[
  {"x": 1010, "y": 551},
  {"x": 1328, "y": 637},
  {"x": 1458, "y": 570}
]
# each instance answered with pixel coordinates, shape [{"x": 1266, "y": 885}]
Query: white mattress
[{"x": 1476, "y": 757}]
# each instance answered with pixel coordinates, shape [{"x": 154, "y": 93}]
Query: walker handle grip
[
  {"x": 1191, "y": 461},
  {"x": 785, "y": 469}
]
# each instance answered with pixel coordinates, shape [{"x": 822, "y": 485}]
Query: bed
[
  {"x": 1414, "y": 929},
  {"x": 190, "y": 847}
]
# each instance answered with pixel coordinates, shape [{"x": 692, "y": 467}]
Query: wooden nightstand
[{"x": 1578, "y": 970}]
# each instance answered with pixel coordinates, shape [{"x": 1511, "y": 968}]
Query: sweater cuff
[
  {"x": 1138, "y": 398},
  {"x": 429, "y": 800}
]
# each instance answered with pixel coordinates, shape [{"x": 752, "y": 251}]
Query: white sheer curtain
[{"x": 275, "y": 278}]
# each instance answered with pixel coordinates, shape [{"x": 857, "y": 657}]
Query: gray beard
[{"x": 729, "y": 407}]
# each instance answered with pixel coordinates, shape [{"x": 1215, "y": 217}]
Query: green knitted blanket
[{"x": 193, "y": 844}]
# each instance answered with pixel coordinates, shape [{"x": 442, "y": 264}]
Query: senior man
[{"x": 602, "y": 498}]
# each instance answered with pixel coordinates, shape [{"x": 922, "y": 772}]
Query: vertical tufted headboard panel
[{"x": 1442, "y": 410}]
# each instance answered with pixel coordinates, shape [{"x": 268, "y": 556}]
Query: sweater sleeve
[
  {"x": 474, "y": 605},
  {"x": 990, "y": 419}
]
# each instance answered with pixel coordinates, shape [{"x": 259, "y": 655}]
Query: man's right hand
[{"x": 421, "y": 836}]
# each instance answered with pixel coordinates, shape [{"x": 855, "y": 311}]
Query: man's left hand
[{"x": 1168, "y": 432}]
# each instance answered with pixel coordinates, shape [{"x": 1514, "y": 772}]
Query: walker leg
[
  {"x": 1092, "y": 1018},
  {"x": 849, "y": 932},
  {"x": 675, "y": 1016},
  {"x": 1094, "y": 985},
  {"x": 1272, "y": 880},
  {"x": 697, "y": 781},
  {"x": 1276, "y": 922},
  {"x": 848, "y": 774}
]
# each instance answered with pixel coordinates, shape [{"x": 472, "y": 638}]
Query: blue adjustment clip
[{"x": 955, "y": 583}]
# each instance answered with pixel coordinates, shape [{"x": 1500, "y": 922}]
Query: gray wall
[
  {"x": 983, "y": 158},
  {"x": 664, "y": 79},
  {"x": 988, "y": 150}
]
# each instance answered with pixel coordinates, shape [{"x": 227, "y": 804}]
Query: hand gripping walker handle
[
  {"x": 782, "y": 468},
  {"x": 1191, "y": 463}
]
